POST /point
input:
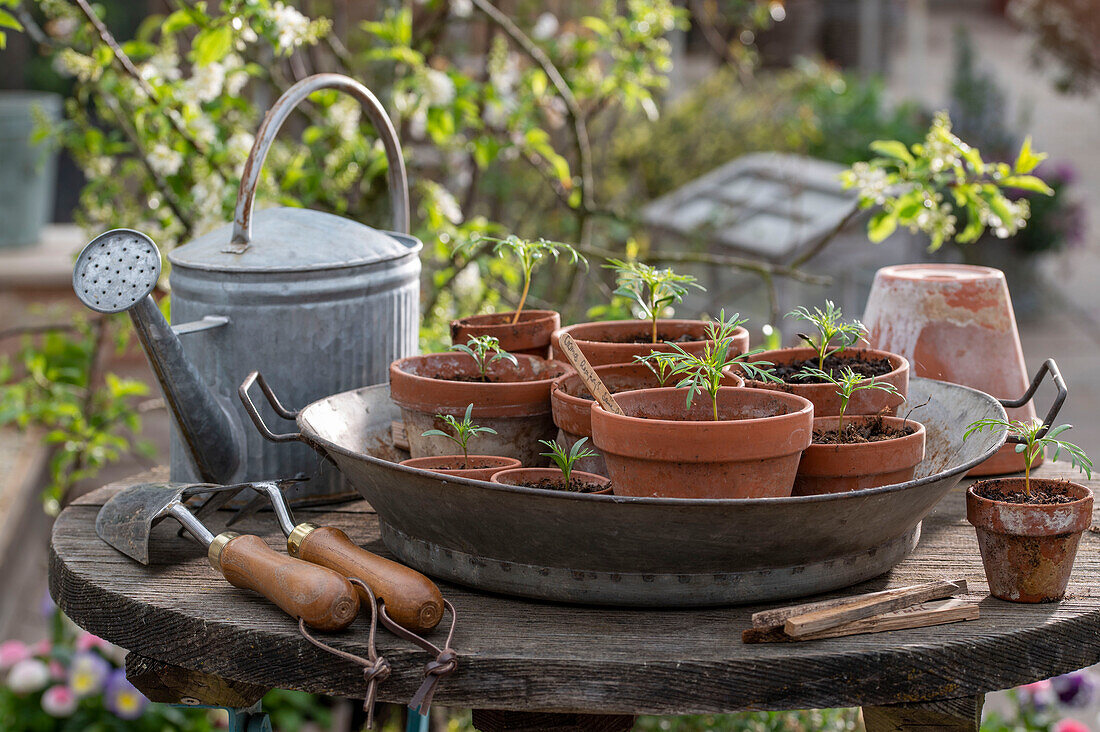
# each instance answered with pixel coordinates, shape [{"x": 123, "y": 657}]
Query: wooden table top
[{"x": 527, "y": 655}]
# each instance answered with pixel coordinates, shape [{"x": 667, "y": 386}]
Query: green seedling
[
  {"x": 703, "y": 372},
  {"x": 1033, "y": 444},
  {"x": 848, "y": 383},
  {"x": 529, "y": 254},
  {"x": 565, "y": 460},
  {"x": 484, "y": 350},
  {"x": 830, "y": 327},
  {"x": 659, "y": 363},
  {"x": 651, "y": 288},
  {"x": 463, "y": 431}
]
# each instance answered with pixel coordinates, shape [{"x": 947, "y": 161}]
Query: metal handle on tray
[
  {"x": 284, "y": 105},
  {"x": 273, "y": 400},
  {"x": 1048, "y": 367}
]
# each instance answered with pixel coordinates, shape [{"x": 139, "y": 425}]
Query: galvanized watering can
[{"x": 321, "y": 303}]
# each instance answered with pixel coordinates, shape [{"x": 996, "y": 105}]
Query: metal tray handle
[
  {"x": 1048, "y": 367},
  {"x": 273, "y": 400}
]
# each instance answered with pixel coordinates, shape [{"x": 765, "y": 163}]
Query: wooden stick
[
  {"x": 917, "y": 616},
  {"x": 814, "y": 620},
  {"x": 588, "y": 374},
  {"x": 398, "y": 434}
]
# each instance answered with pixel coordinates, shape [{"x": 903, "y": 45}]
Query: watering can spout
[{"x": 116, "y": 272}]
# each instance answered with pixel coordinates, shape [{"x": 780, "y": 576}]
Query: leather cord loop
[{"x": 444, "y": 664}]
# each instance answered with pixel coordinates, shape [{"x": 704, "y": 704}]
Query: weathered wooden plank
[
  {"x": 168, "y": 684},
  {"x": 948, "y": 715}
]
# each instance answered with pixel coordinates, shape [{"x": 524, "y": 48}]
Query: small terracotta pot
[
  {"x": 1028, "y": 550},
  {"x": 518, "y": 410},
  {"x": 607, "y": 342},
  {"x": 824, "y": 397},
  {"x": 447, "y": 464},
  {"x": 518, "y": 476},
  {"x": 661, "y": 447},
  {"x": 572, "y": 413},
  {"x": 843, "y": 468},
  {"x": 530, "y": 336}
]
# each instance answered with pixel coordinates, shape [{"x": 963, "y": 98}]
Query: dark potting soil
[
  {"x": 647, "y": 337},
  {"x": 550, "y": 484},
  {"x": 467, "y": 379},
  {"x": 1041, "y": 494},
  {"x": 872, "y": 430},
  {"x": 833, "y": 364},
  {"x": 470, "y": 466}
]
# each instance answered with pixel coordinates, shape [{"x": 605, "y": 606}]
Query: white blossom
[
  {"x": 202, "y": 128},
  {"x": 871, "y": 181},
  {"x": 448, "y": 205},
  {"x": 439, "y": 90},
  {"x": 291, "y": 26},
  {"x": 206, "y": 81},
  {"x": 28, "y": 676},
  {"x": 165, "y": 160},
  {"x": 467, "y": 283},
  {"x": 239, "y": 145},
  {"x": 161, "y": 66},
  {"x": 71, "y": 63},
  {"x": 462, "y": 8},
  {"x": 418, "y": 124},
  {"x": 345, "y": 113},
  {"x": 546, "y": 26},
  {"x": 99, "y": 166}
]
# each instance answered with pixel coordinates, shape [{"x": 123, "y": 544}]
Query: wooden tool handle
[
  {"x": 588, "y": 374},
  {"x": 320, "y": 596},
  {"x": 412, "y": 600}
]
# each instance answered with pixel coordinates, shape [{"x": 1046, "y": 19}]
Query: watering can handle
[
  {"x": 1048, "y": 367},
  {"x": 254, "y": 413},
  {"x": 376, "y": 113}
]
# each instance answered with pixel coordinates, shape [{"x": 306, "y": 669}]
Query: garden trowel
[{"x": 321, "y": 597}]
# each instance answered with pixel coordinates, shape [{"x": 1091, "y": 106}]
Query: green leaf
[
  {"x": 1027, "y": 183},
  {"x": 893, "y": 149},
  {"x": 1028, "y": 160},
  {"x": 597, "y": 26},
  {"x": 881, "y": 225},
  {"x": 212, "y": 45},
  {"x": 7, "y": 20}
]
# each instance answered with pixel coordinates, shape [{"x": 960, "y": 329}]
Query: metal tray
[{"x": 656, "y": 552}]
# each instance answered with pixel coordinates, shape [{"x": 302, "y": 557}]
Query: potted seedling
[
  {"x": 652, "y": 290},
  {"x": 460, "y": 432},
  {"x": 510, "y": 394},
  {"x": 862, "y": 451},
  {"x": 1028, "y": 528},
  {"x": 519, "y": 331},
  {"x": 562, "y": 478},
  {"x": 700, "y": 439},
  {"x": 831, "y": 345}
]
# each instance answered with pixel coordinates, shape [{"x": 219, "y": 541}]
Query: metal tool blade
[
  {"x": 126, "y": 519},
  {"x": 269, "y": 492}
]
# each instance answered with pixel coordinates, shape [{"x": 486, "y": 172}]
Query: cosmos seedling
[
  {"x": 659, "y": 363},
  {"x": 848, "y": 383},
  {"x": 463, "y": 431},
  {"x": 1033, "y": 444},
  {"x": 565, "y": 460},
  {"x": 651, "y": 288},
  {"x": 484, "y": 350},
  {"x": 703, "y": 372},
  {"x": 529, "y": 254},
  {"x": 833, "y": 334}
]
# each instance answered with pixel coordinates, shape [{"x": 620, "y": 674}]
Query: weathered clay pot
[
  {"x": 843, "y": 468},
  {"x": 598, "y": 484},
  {"x": 1028, "y": 550},
  {"x": 531, "y": 335},
  {"x": 609, "y": 341},
  {"x": 954, "y": 322},
  {"x": 663, "y": 448},
  {"x": 572, "y": 412},
  {"x": 519, "y": 410},
  {"x": 824, "y": 397},
  {"x": 451, "y": 465}
]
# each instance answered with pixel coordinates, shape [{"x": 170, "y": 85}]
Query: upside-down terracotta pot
[
  {"x": 530, "y": 335},
  {"x": 482, "y": 467},
  {"x": 661, "y": 447},
  {"x": 572, "y": 404},
  {"x": 613, "y": 341},
  {"x": 1028, "y": 549},
  {"x": 594, "y": 484},
  {"x": 954, "y": 322},
  {"x": 516, "y": 403},
  {"x": 825, "y": 399},
  {"x": 855, "y": 466}
]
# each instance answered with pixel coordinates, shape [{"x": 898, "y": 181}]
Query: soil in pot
[
  {"x": 1028, "y": 547},
  {"x": 515, "y": 402},
  {"x": 477, "y": 467},
  {"x": 619, "y": 341},
  {"x": 554, "y": 480},
  {"x": 883, "y": 366},
  {"x": 530, "y": 335},
  {"x": 662, "y": 447},
  {"x": 869, "y": 452}
]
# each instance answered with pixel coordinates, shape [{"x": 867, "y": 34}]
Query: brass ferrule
[
  {"x": 214, "y": 551},
  {"x": 294, "y": 541}
]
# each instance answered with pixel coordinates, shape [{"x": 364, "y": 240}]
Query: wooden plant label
[{"x": 588, "y": 375}]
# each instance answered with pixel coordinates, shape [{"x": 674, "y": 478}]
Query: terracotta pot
[
  {"x": 517, "y": 476},
  {"x": 1028, "y": 550},
  {"x": 608, "y": 341},
  {"x": 954, "y": 322},
  {"x": 663, "y": 448},
  {"x": 450, "y": 465},
  {"x": 843, "y": 468},
  {"x": 518, "y": 410},
  {"x": 824, "y": 397},
  {"x": 530, "y": 336},
  {"x": 572, "y": 412}
]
